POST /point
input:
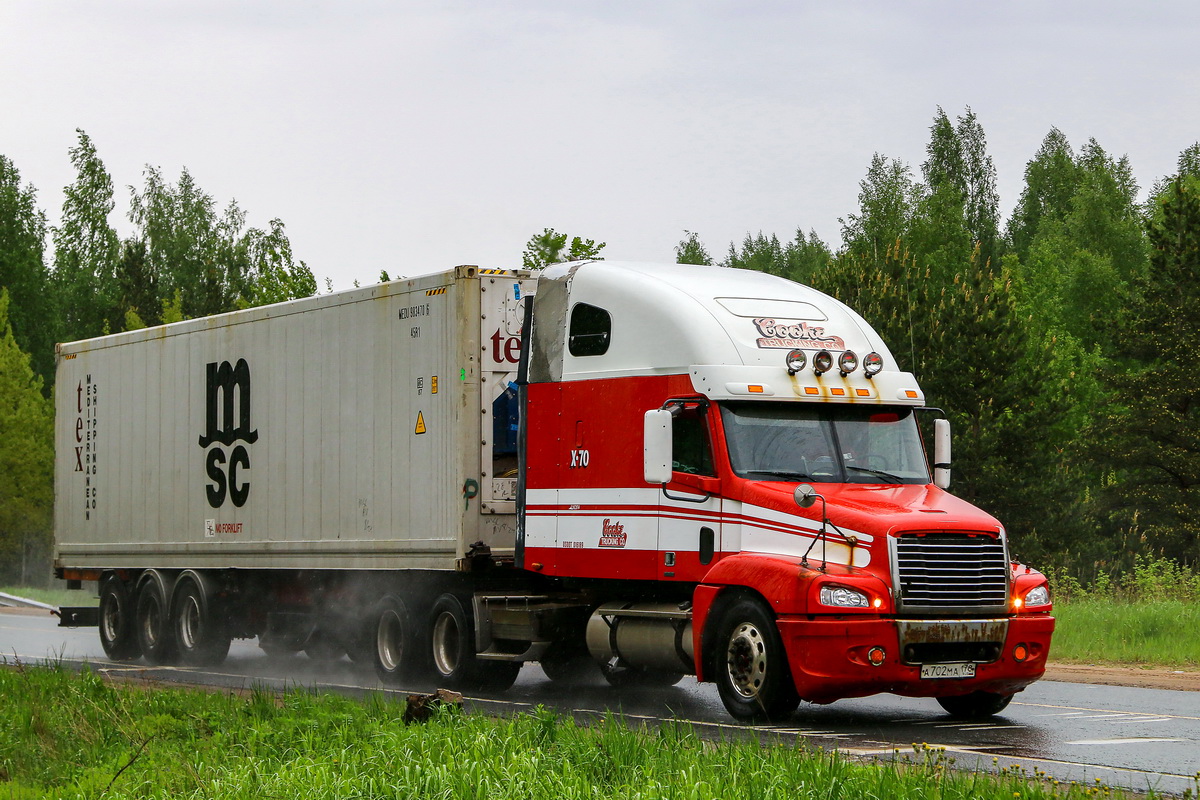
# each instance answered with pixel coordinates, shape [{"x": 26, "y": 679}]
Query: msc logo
[{"x": 227, "y": 392}]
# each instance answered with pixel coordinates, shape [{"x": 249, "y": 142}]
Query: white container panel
[{"x": 325, "y": 444}]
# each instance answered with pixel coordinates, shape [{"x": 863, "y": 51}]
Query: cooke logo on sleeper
[
  {"x": 227, "y": 423},
  {"x": 612, "y": 534},
  {"x": 789, "y": 335}
]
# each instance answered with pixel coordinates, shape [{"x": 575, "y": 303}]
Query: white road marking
[
  {"x": 1122, "y": 741},
  {"x": 1082, "y": 710}
]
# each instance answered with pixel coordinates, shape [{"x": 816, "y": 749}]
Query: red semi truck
[{"x": 642, "y": 470}]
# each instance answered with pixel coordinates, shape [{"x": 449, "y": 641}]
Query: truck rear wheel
[
  {"x": 154, "y": 633},
  {"x": 394, "y": 640},
  {"x": 749, "y": 663},
  {"x": 452, "y": 639},
  {"x": 118, "y": 628},
  {"x": 976, "y": 705},
  {"x": 201, "y": 636}
]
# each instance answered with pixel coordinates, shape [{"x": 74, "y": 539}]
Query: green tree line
[
  {"x": 1059, "y": 342},
  {"x": 186, "y": 258}
]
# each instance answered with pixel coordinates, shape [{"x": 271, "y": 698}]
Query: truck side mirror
[
  {"x": 941, "y": 453},
  {"x": 805, "y": 495},
  {"x": 656, "y": 446}
]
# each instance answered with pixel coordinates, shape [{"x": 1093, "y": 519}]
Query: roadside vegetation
[
  {"x": 65, "y": 735},
  {"x": 1146, "y": 616},
  {"x": 54, "y": 596}
]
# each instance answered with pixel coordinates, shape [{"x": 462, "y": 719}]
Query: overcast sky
[{"x": 414, "y": 136}]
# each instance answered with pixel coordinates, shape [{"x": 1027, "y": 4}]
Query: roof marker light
[
  {"x": 822, "y": 362},
  {"x": 872, "y": 364},
  {"x": 847, "y": 362},
  {"x": 795, "y": 360}
]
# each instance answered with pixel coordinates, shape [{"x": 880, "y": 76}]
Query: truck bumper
[{"x": 831, "y": 658}]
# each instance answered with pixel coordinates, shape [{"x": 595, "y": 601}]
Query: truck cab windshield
[{"x": 796, "y": 442}]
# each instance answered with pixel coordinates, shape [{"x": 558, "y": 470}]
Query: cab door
[{"x": 690, "y": 506}]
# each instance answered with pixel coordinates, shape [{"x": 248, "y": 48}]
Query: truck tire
[
  {"x": 749, "y": 664},
  {"x": 394, "y": 640},
  {"x": 452, "y": 640},
  {"x": 976, "y": 705},
  {"x": 201, "y": 635},
  {"x": 154, "y": 630},
  {"x": 118, "y": 628}
]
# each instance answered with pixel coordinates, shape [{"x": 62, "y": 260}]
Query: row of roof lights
[{"x": 822, "y": 362}]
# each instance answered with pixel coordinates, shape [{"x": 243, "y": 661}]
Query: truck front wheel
[
  {"x": 976, "y": 705},
  {"x": 749, "y": 663},
  {"x": 118, "y": 628}
]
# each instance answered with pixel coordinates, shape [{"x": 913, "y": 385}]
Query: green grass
[
  {"x": 1107, "y": 631},
  {"x": 55, "y": 597},
  {"x": 75, "y": 736}
]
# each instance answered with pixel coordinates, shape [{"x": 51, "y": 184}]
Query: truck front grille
[{"x": 964, "y": 573}]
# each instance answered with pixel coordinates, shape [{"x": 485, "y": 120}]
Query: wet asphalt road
[{"x": 1126, "y": 737}]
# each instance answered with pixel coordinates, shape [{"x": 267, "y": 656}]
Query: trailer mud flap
[{"x": 78, "y": 617}]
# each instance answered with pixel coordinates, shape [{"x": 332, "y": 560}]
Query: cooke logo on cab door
[
  {"x": 612, "y": 534},
  {"x": 227, "y": 422}
]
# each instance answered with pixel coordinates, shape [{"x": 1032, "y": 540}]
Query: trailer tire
[
  {"x": 976, "y": 705},
  {"x": 394, "y": 640},
  {"x": 201, "y": 636},
  {"x": 749, "y": 664},
  {"x": 118, "y": 621},
  {"x": 154, "y": 630},
  {"x": 452, "y": 645}
]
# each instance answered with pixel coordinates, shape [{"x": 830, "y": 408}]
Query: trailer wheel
[
  {"x": 154, "y": 633},
  {"x": 200, "y": 634},
  {"x": 118, "y": 628},
  {"x": 975, "y": 705},
  {"x": 394, "y": 640},
  {"x": 749, "y": 663},
  {"x": 452, "y": 639}
]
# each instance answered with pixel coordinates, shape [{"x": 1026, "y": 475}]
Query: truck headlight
[
  {"x": 843, "y": 597},
  {"x": 1038, "y": 596}
]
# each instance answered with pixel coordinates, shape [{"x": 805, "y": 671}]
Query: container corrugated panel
[{"x": 331, "y": 432}]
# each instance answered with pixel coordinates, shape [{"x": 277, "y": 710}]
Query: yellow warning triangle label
[{"x": 420, "y": 423}]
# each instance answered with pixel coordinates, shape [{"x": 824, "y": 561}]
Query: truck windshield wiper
[
  {"x": 878, "y": 472},
  {"x": 786, "y": 474}
]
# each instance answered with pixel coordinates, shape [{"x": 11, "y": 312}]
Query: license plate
[{"x": 947, "y": 670}]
